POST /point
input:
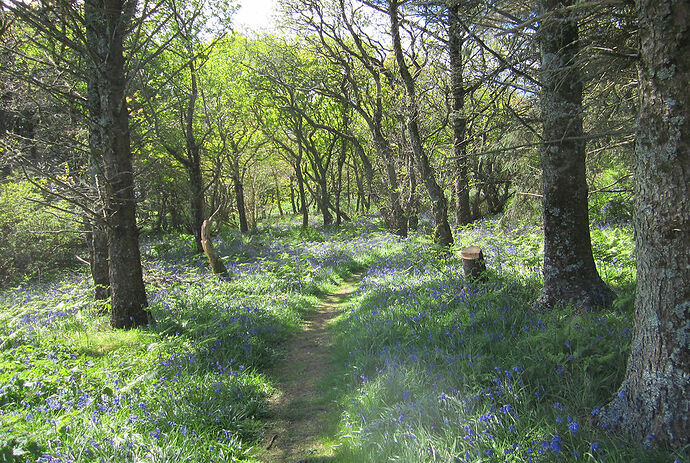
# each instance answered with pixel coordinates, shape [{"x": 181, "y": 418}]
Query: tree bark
[
  {"x": 193, "y": 163},
  {"x": 292, "y": 196},
  {"x": 106, "y": 23},
  {"x": 654, "y": 400},
  {"x": 98, "y": 236},
  {"x": 455, "y": 44},
  {"x": 278, "y": 198},
  {"x": 570, "y": 274},
  {"x": 397, "y": 215},
  {"x": 214, "y": 261},
  {"x": 413, "y": 205},
  {"x": 304, "y": 207},
  {"x": 98, "y": 246},
  {"x": 239, "y": 201},
  {"x": 196, "y": 197},
  {"x": 442, "y": 233}
]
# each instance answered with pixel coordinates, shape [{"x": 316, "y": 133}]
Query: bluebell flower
[{"x": 556, "y": 444}]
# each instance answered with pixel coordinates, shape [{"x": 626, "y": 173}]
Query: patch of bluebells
[
  {"x": 197, "y": 381},
  {"x": 418, "y": 327}
]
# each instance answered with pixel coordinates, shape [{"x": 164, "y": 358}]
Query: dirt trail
[{"x": 299, "y": 411}]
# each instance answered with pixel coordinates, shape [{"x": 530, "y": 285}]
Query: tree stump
[
  {"x": 216, "y": 264},
  {"x": 473, "y": 263}
]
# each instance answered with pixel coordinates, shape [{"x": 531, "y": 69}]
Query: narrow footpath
[{"x": 299, "y": 411}]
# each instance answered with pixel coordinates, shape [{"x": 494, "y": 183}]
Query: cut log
[
  {"x": 216, "y": 263},
  {"x": 473, "y": 263}
]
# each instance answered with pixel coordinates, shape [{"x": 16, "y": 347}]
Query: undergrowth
[{"x": 433, "y": 368}]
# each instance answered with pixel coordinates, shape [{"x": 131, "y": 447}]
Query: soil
[{"x": 300, "y": 412}]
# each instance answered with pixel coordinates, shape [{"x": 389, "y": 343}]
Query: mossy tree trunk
[
  {"x": 570, "y": 275},
  {"x": 654, "y": 399}
]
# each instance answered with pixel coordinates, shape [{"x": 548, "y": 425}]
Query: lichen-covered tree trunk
[
  {"x": 98, "y": 250},
  {"x": 654, "y": 399},
  {"x": 98, "y": 233},
  {"x": 106, "y": 24},
  {"x": 455, "y": 43},
  {"x": 570, "y": 274},
  {"x": 442, "y": 232}
]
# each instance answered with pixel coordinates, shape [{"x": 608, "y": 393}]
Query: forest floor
[{"x": 300, "y": 408}]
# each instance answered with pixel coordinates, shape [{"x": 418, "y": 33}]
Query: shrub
[{"x": 35, "y": 239}]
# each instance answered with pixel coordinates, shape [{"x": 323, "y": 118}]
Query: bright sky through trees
[{"x": 256, "y": 15}]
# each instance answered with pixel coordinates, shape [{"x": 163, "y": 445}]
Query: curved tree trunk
[
  {"x": 442, "y": 233},
  {"x": 570, "y": 274},
  {"x": 106, "y": 25},
  {"x": 213, "y": 259},
  {"x": 654, "y": 399}
]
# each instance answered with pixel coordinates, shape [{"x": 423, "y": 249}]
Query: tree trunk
[
  {"x": 98, "y": 236},
  {"x": 292, "y": 197},
  {"x": 239, "y": 201},
  {"x": 214, "y": 261},
  {"x": 302, "y": 194},
  {"x": 98, "y": 246},
  {"x": 654, "y": 400},
  {"x": 196, "y": 201},
  {"x": 473, "y": 264},
  {"x": 413, "y": 205},
  {"x": 277, "y": 190},
  {"x": 462, "y": 190},
  {"x": 106, "y": 23},
  {"x": 323, "y": 201},
  {"x": 194, "y": 162},
  {"x": 398, "y": 221},
  {"x": 364, "y": 194},
  {"x": 570, "y": 274},
  {"x": 442, "y": 233}
]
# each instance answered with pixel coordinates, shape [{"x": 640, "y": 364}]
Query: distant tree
[
  {"x": 570, "y": 274},
  {"x": 172, "y": 97},
  {"x": 230, "y": 113},
  {"x": 653, "y": 402},
  {"x": 442, "y": 232}
]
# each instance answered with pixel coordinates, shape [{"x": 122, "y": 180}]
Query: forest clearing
[{"x": 373, "y": 231}]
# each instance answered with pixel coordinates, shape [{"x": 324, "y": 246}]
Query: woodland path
[{"x": 300, "y": 412}]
